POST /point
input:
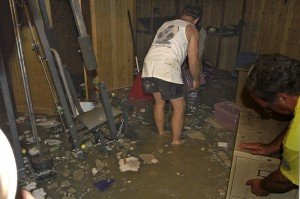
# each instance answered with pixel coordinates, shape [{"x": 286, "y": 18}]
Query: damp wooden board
[
  {"x": 96, "y": 117},
  {"x": 244, "y": 168},
  {"x": 252, "y": 128}
]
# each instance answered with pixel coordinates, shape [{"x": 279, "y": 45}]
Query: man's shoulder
[
  {"x": 191, "y": 31},
  {"x": 292, "y": 137}
]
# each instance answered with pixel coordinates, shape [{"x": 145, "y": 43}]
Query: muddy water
[
  {"x": 196, "y": 169},
  {"x": 191, "y": 170}
]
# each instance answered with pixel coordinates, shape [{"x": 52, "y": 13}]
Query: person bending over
[
  {"x": 274, "y": 83},
  {"x": 161, "y": 73}
]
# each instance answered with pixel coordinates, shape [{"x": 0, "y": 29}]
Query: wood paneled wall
[
  {"x": 272, "y": 26},
  {"x": 112, "y": 41},
  {"x": 211, "y": 17},
  {"x": 144, "y": 34},
  {"x": 40, "y": 93}
]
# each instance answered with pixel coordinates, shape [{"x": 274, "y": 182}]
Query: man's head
[
  {"x": 274, "y": 82},
  {"x": 194, "y": 12}
]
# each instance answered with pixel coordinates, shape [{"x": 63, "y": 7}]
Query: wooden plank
[
  {"x": 110, "y": 32},
  {"x": 114, "y": 43},
  {"x": 210, "y": 50},
  {"x": 287, "y": 25},
  {"x": 293, "y": 43},
  {"x": 228, "y": 53},
  {"x": 258, "y": 16},
  {"x": 267, "y": 27},
  {"x": 252, "y": 128},
  {"x": 249, "y": 28},
  {"x": 278, "y": 26}
]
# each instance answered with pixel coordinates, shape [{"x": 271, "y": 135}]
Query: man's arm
[
  {"x": 193, "y": 53},
  {"x": 265, "y": 149},
  {"x": 276, "y": 182}
]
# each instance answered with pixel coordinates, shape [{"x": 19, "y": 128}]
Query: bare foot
[
  {"x": 163, "y": 133},
  {"x": 178, "y": 142}
]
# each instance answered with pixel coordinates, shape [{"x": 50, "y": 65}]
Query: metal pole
[
  {"x": 221, "y": 24},
  {"x": 76, "y": 8},
  {"x": 24, "y": 73},
  {"x": 39, "y": 24},
  {"x": 84, "y": 39},
  {"x": 64, "y": 80},
  {"x": 11, "y": 118}
]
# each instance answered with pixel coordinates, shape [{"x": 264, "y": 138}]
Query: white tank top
[{"x": 167, "y": 52}]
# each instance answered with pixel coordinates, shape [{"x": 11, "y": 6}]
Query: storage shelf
[
  {"x": 223, "y": 35},
  {"x": 157, "y": 22}
]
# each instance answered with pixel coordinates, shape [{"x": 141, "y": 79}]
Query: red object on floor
[{"x": 136, "y": 92}]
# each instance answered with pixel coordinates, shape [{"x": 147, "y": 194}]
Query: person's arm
[
  {"x": 265, "y": 149},
  {"x": 193, "y": 54},
  {"x": 276, "y": 182}
]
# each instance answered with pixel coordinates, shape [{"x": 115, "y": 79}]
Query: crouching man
[{"x": 274, "y": 83}]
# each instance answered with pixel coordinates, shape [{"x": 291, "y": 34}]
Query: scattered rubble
[
  {"x": 214, "y": 123},
  {"x": 149, "y": 158},
  {"x": 49, "y": 124},
  {"x": 52, "y": 142},
  {"x": 39, "y": 193},
  {"x": 129, "y": 164},
  {"x": 194, "y": 134},
  {"x": 222, "y": 144},
  {"x": 30, "y": 186},
  {"x": 78, "y": 175}
]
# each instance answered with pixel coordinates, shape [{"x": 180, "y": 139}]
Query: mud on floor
[{"x": 199, "y": 168}]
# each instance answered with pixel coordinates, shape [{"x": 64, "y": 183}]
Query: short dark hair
[
  {"x": 193, "y": 11},
  {"x": 272, "y": 74}
]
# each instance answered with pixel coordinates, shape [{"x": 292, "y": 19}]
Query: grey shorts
[{"x": 168, "y": 90}]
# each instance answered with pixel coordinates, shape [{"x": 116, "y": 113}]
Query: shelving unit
[
  {"x": 151, "y": 14},
  {"x": 223, "y": 31}
]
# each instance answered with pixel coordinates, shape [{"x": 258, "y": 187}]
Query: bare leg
[
  {"x": 178, "y": 106},
  {"x": 24, "y": 194},
  {"x": 159, "y": 114}
]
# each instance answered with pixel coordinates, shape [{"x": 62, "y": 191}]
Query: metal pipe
[
  {"x": 42, "y": 5},
  {"x": 63, "y": 77},
  {"x": 76, "y": 8},
  {"x": 11, "y": 118},
  {"x": 24, "y": 73}
]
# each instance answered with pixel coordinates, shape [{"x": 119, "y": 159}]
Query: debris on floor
[
  {"x": 49, "y": 124},
  {"x": 200, "y": 161},
  {"x": 103, "y": 185},
  {"x": 222, "y": 144},
  {"x": 195, "y": 134},
  {"x": 129, "y": 164},
  {"x": 39, "y": 193},
  {"x": 214, "y": 123},
  {"x": 149, "y": 158}
]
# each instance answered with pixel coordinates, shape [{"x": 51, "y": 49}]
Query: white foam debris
[
  {"x": 129, "y": 164},
  {"x": 149, "y": 158},
  {"x": 222, "y": 144}
]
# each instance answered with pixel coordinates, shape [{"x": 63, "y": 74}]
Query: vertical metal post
[
  {"x": 108, "y": 111},
  {"x": 39, "y": 24},
  {"x": 11, "y": 118},
  {"x": 24, "y": 72},
  {"x": 151, "y": 20},
  {"x": 221, "y": 24},
  {"x": 84, "y": 39},
  {"x": 241, "y": 27}
]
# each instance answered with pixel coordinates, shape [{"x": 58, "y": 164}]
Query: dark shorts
[{"x": 168, "y": 90}]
